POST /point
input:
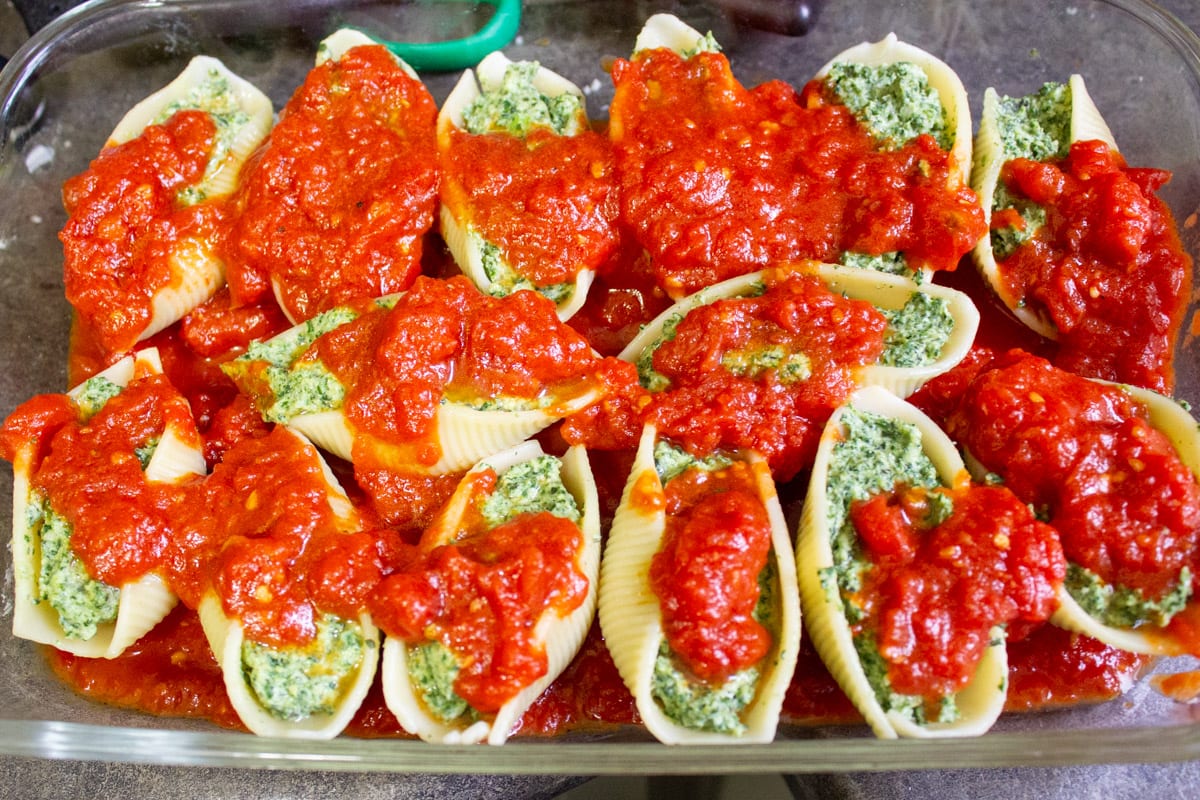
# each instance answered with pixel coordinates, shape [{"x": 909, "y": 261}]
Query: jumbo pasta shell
[
  {"x": 942, "y": 79},
  {"x": 143, "y": 602},
  {"x": 243, "y": 115},
  {"x": 884, "y": 291},
  {"x": 990, "y": 156},
  {"x": 226, "y": 638},
  {"x": 335, "y": 45},
  {"x": 464, "y": 243},
  {"x": 562, "y": 636},
  {"x": 670, "y": 32},
  {"x": 982, "y": 700},
  {"x": 1181, "y": 429},
  {"x": 631, "y": 619}
]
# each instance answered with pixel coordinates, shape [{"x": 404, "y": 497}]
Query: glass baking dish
[{"x": 65, "y": 89}]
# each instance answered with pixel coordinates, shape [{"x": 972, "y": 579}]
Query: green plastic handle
[{"x": 467, "y": 51}]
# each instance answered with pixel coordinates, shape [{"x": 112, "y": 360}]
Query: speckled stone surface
[{"x": 34, "y": 779}]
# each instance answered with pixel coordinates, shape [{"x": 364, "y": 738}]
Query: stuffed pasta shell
[
  {"x": 1080, "y": 247},
  {"x": 337, "y": 203},
  {"x": 140, "y": 243},
  {"x": 783, "y": 347},
  {"x": 428, "y": 381},
  {"x": 682, "y": 126},
  {"x": 704, "y": 665},
  {"x": 528, "y": 197},
  {"x": 908, "y": 573},
  {"x": 1116, "y": 476},
  {"x": 1038, "y": 127},
  {"x": 291, "y": 666},
  {"x": 496, "y": 599},
  {"x": 93, "y": 477}
]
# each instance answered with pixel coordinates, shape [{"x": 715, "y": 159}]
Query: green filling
[
  {"x": 650, "y": 378},
  {"x": 671, "y": 461},
  {"x": 893, "y": 263},
  {"x": 217, "y": 98},
  {"x": 293, "y": 683},
  {"x": 505, "y": 280},
  {"x": 433, "y": 670},
  {"x": 1037, "y": 127},
  {"x": 788, "y": 367},
  {"x": 696, "y": 705},
  {"x": 916, "y": 332},
  {"x": 894, "y": 101},
  {"x": 517, "y": 107},
  {"x": 705, "y": 44},
  {"x": 876, "y": 453},
  {"x": 82, "y": 602},
  {"x": 527, "y": 488},
  {"x": 93, "y": 394},
  {"x": 1122, "y": 606},
  {"x": 305, "y": 388}
]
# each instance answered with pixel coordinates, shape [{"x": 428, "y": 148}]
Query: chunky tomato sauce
[
  {"x": 92, "y": 475},
  {"x": 444, "y": 339},
  {"x": 481, "y": 592},
  {"x": 1107, "y": 267},
  {"x": 706, "y": 573},
  {"x": 548, "y": 202},
  {"x": 1125, "y": 505},
  {"x": 718, "y": 180},
  {"x": 934, "y": 592},
  {"x": 336, "y": 204},
  {"x": 126, "y": 220},
  {"x": 720, "y": 395}
]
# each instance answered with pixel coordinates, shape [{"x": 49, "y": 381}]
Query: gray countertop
[{"x": 32, "y": 779}]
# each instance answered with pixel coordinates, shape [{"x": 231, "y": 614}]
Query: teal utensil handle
[{"x": 468, "y": 51}]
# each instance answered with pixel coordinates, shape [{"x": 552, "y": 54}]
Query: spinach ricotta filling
[
  {"x": 1037, "y": 127},
  {"x": 432, "y": 669},
  {"x": 876, "y": 453},
  {"x": 671, "y": 460},
  {"x": 893, "y": 263},
  {"x": 93, "y": 394},
  {"x": 894, "y": 101},
  {"x": 214, "y": 96},
  {"x": 1123, "y": 606},
  {"x": 917, "y": 331},
  {"x": 530, "y": 487},
  {"x": 81, "y": 602},
  {"x": 294, "y": 683},
  {"x": 516, "y": 107},
  {"x": 505, "y": 280},
  {"x": 295, "y": 387}
]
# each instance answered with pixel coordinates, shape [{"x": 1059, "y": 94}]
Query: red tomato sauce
[
  {"x": 933, "y": 593},
  {"x": 91, "y": 474},
  {"x": 481, "y": 591},
  {"x": 336, "y": 203},
  {"x": 708, "y": 406},
  {"x": 1107, "y": 267},
  {"x": 1127, "y": 508},
  {"x": 126, "y": 220},
  {"x": 718, "y": 180},
  {"x": 715, "y": 546},
  {"x": 445, "y": 339},
  {"x": 547, "y": 201},
  {"x": 250, "y": 532}
]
